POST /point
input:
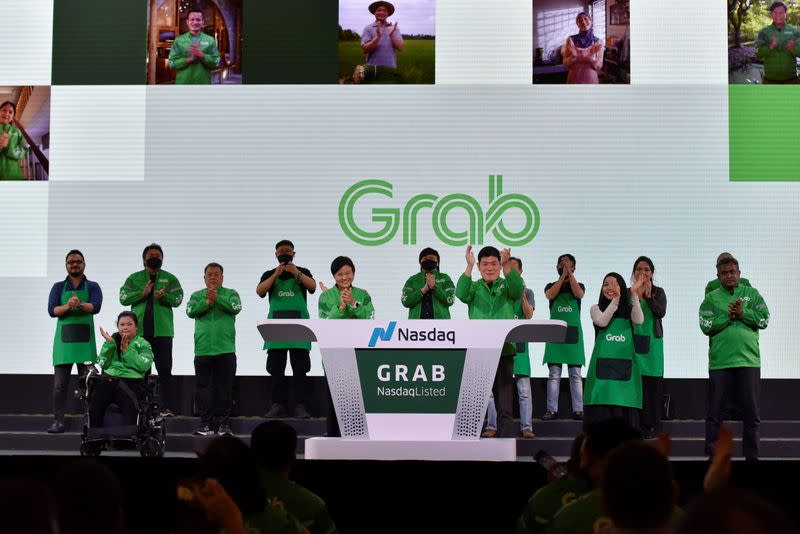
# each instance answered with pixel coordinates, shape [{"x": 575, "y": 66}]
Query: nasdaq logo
[{"x": 384, "y": 334}]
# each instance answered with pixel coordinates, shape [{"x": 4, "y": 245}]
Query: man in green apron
[
  {"x": 523, "y": 309},
  {"x": 288, "y": 286},
  {"x": 214, "y": 310},
  {"x": 194, "y": 54},
  {"x": 73, "y": 302},
  {"x": 494, "y": 297},
  {"x": 731, "y": 317},
  {"x": 152, "y": 294},
  {"x": 564, "y": 296}
]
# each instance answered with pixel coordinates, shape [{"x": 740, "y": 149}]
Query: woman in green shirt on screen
[{"x": 13, "y": 146}]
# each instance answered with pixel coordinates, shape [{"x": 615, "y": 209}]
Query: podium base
[{"x": 492, "y": 450}]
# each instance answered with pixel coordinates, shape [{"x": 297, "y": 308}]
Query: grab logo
[
  {"x": 565, "y": 309},
  {"x": 285, "y": 293},
  {"x": 618, "y": 338}
]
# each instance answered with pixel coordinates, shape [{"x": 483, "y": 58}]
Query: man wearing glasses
[{"x": 73, "y": 302}]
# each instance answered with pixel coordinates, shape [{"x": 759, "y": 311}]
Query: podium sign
[{"x": 411, "y": 380}]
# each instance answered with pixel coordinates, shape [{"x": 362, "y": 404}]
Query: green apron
[
  {"x": 649, "y": 348},
  {"x": 522, "y": 360},
  {"x": 613, "y": 377},
  {"x": 565, "y": 308},
  {"x": 74, "y": 341},
  {"x": 287, "y": 302}
]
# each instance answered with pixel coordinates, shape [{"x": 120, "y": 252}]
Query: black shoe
[
  {"x": 224, "y": 430},
  {"x": 548, "y": 415},
  {"x": 300, "y": 412},
  {"x": 204, "y": 430},
  {"x": 578, "y": 416},
  {"x": 56, "y": 428},
  {"x": 649, "y": 433},
  {"x": 276, "y": 411}
]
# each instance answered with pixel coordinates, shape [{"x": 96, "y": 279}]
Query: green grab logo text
[{"x": 480, "y": 222}]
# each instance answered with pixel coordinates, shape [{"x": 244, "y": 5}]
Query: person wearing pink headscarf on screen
[{"x": 583, "y": 52}]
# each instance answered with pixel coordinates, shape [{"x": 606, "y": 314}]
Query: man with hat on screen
[{"x": 381, "y": 41}]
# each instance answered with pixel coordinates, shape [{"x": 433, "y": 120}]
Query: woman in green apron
[
  {"x": 13, "y": 146},
  {"x": 613, "y": 381},
  {"x": 649, "y": 342}
]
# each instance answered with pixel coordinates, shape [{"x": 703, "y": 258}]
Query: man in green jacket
[
  {"x": 494, "y": 297},
  {"x": 429, "y": 293},
  {"x": 151, "y": 294},
  {"x": 194, "y": 54},
  {"x": 778, "y": 46},
  {"x": 214, "y": 311},
  {"x": 732, "y": 316}
]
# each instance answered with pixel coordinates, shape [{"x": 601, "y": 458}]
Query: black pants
[
  {"x": 741, "y": 385},
  {"x": 331, "y": 423},
  {"x": 504, "y": 397},
  {"x": 61, "y": 386},
  {"x": 162, "y": 356},
  {"x": 276, "y": 366},
  {"x": 594, "y": 413},
  {"x": 652, "y": 403},
  {"x": 214, "y": 391},
  {"x": 124, "y": 392}
]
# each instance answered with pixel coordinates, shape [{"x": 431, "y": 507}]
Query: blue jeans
[
  {"x": 554, "y": 385},
  {"x": 525, "y": 406}
]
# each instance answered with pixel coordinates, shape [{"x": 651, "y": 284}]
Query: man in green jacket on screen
[
  {"x": 151, "y": 294},
  {"x": 732, "y": 316},
  {"x": 194, "y": 54},
  {"x": 429, "y": 293},
  {"x": 494, "y": 297},
  {"x": 779, "y": 45},
  {"x": 214, "y": 311}
]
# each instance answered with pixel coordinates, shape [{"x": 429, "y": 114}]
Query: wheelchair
[{"x": 148, "y": 435}]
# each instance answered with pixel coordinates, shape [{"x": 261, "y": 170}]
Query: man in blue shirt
[
  {"x": 73, "y": 302},
  {"x": 381, "y": 40}
]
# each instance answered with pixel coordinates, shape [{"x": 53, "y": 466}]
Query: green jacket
[
  {"x": 130, "y": 294},
  {"x": 548, "y": 500},
  {"x": 716, "y": 284},
  {"x": 214, "y": 324},
  {"x": 443, "y": 295},
  {"x": 273, "y": 519},
  {"x": 198, "y": 72},
  {"x": 734, "y": 343},
  {"x": 16, "y": 150},
  {"x": 495, "y": 302},
  {"x": 329, "y": 305},
  {"x": 779, "y": 62},
  {"x": 133, "y": 363},
  {"x": 309, "y": 509}
]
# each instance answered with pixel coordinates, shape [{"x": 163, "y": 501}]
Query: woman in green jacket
[
  {"x": 125, "y": 358},
  {"x": 429, "y": 293},
  {"x": 342, "y": 301},
  {"x": 613, "y": 382},
  {"x": 13, "y": 146}
]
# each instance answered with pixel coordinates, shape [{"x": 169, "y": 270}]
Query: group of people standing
[{"x": 624, "y": 378}]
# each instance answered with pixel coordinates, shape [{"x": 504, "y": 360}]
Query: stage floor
[{"x": 26, "y": 434}]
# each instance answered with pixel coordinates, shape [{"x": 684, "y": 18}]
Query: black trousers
[
  {"x": 652, "y": 403},
  {"x": 214, "y": 389},
  {"x": 124, "y": 392},
  {"x": 741, "y": 385},
  {"x": 162, "y": 356},
  {"x": 276, "y": 366},
  {"x": 331, "y": 423},
  {"x": 61, "y": 387},
  {"x": 503, "y": 390},
  {"x": 594, "y": 413}
]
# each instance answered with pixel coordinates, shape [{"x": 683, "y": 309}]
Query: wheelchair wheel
[
  {"x": 152, "y": 448},
  {"x": 90, "y": 449}
]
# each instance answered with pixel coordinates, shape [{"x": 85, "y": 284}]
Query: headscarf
[{"x": 584, "y": 39}]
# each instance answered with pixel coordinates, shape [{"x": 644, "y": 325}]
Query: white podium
[{"x": 411, "y": 389}]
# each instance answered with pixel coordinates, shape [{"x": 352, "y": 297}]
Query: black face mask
[
  {"x": 153, "y": 263},
  {"x": 285, "y": 258},
  {"x": 429, "y": 265}
]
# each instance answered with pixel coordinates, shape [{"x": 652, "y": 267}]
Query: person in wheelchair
[{"x": 125, "y": 358}]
